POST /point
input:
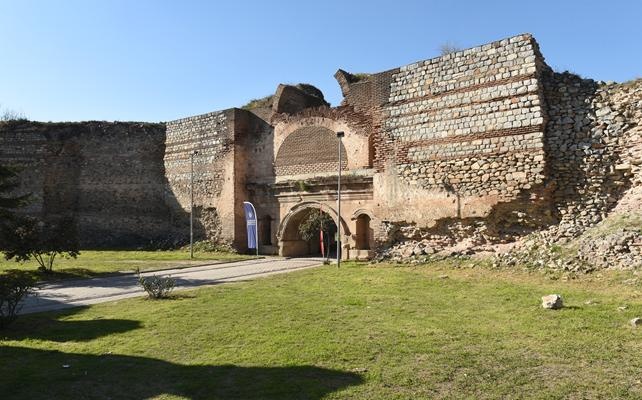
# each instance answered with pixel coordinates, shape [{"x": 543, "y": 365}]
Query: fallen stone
[
  {"x": 408, "y": 252},
  {"x": 635, "y": 322},
  {"x": 552, "y": 302}
]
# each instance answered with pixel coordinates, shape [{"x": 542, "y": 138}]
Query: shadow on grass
[
  {"x": 64, "y": 274},
  {"x": 33, "y": 374},
  {"x": 53, "y": 327}
]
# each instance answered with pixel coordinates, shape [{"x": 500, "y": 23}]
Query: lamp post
[
  {"x": 191, "y": 204},
  {"x": 340, "y": 135}
]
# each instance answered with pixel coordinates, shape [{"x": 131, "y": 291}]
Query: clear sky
[{"x": 155, "y": 60}]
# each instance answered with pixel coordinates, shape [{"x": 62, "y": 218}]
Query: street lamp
[
  {"x": 191, "y": 204},
  {"x": 340, "y": 135}
]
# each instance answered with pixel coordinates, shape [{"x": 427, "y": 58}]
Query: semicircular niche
[{"x": 309, "y": 150}]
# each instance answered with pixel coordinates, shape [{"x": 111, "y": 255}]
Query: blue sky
[{"x": 143, "y": 60}]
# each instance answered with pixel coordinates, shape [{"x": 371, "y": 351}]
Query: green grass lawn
[
  {"x": 358, "y": 332},
  {"x": 96, "y": 262}
]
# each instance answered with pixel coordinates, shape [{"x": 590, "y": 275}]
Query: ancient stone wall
[
  {"x": 471, "y": 120},
  {"x": 591, "y": 137},
  {"x": 107, "y": 177},
  {"x": 470, "y": 149},
  {"x": 208, "y": 141},
  {"x": 593, "y": 143}
]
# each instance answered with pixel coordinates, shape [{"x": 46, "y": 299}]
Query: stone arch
[
  {"x": 361, "y": 211},
  {"x": 308, "y": 150},
  {"x": 289, "y": 244}
]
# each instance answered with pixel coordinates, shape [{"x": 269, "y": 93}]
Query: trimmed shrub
[{"x": 157, "y": 287}]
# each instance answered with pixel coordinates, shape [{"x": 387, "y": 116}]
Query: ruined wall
[
  {"x": 592, "y": 142},
  {"x": 472, "y": 148},
  {"x": 107, "y": 177},
  {"x": 471, "y": 118},
  {"x": 593, "y": 147},
  {"x": 211, "y": 136},
  {"x": 459, "y": 147}
]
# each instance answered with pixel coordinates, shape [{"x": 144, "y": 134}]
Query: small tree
[
  {"x": 315, "y": 223},
  {"x": 29, "y": 238},
  {"x": 14, "y": 287},
  {"x": 8, "y": 203},
  {"x": 448, "y": 47}
]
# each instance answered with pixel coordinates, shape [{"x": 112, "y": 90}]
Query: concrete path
[{"x": 65, "y": 294}]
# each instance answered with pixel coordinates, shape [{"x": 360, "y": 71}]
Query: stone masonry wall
[
  {"x": 592, "y": 134},
  {"x": 107, "y": 177},
  {"x": 212, "y": 137},
  {"x": 472, "y": 120}
]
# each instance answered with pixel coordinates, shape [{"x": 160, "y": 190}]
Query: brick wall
[{"x": 308, "y": 150}]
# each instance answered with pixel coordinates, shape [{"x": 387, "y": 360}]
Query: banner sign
[{"x": 251, "y": 222}]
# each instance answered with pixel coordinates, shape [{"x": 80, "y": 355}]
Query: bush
[
  {"x": 11, "y": 115},
  {"x": 259, "y": 103},
  {"x": 15, "y": 285},
  {"x": 157, "y": 287}
]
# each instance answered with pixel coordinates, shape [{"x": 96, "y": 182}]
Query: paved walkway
[{"x": 65, "y": 294}]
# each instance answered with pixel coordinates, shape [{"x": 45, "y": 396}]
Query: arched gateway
[{"x": 290, "y": 242}]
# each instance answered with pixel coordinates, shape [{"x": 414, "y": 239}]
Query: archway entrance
[
  {"x": 293, "y": 244},
  {"x": 290, "y": 242}
]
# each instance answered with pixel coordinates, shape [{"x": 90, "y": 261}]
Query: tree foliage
[
  {"x": 314, "y": 223},
  {"x": 8, "y": 183},
  {"x": 29, "y": 238}
]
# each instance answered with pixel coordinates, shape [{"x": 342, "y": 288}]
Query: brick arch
[{"x": 308, "y": 150}]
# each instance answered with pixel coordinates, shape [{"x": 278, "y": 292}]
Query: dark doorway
[
  {"x": 364, "y": 233},
  {"x": 265, "y": 231}
]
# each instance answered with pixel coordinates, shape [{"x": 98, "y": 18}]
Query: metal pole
[
  {"x": 339, "y": 135},
  {"x": 191, "y": 204}
]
